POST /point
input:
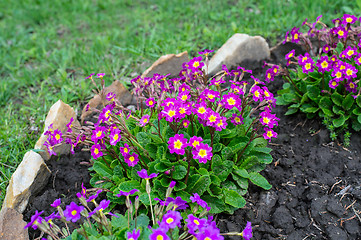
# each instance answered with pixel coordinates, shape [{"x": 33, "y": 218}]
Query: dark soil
[{"x": 316, "y": 190}]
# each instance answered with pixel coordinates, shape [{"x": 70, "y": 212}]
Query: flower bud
[{"x": 167, "y": 172}]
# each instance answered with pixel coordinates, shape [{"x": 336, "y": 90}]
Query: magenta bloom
[
  {"x": 56, "y": 203},
  {"x": 150, "y": 102},
  {"x": 195, "y": 141},
  {"x": 210, "y": 94},
  {"x": 98, "y": 133},
  {"x": 178, "y": 203},
  {"x": 290, "y": 55},
  {"x": 106, "y": 113},
  {"x": 247, "y": 232},
  {"x": 114, "y": 137},
  {"x": 236, "y": 120},
  {"x": 196, "y": 198},
  {"x": 326, "y": 48},
  {"x": 72, "y": 212},
  {"x": 205, "y": 52},
  {"x": 102, "y": 205},
  {"x": 170, "y": 113},
  {"x": 100, "y": 75},
  {"x": 295, "y": 35},
  {"x": 177, "y": 144},
  {"x": 268, "y": 119},
  {"x": 90, "y": 76},
  {"x": 185, "y": 123},
  {"x": 70, "y": 125},
  {"x": 350, "y": 71},
  {"x": 302, "y": 60},
  {"x": 209, "y": 233},
  {"x": 358, "y": 59},
  {"x": 83, "y": 192},
  {"x": 349, "y": 19},
  {"x": 124, "y": 150},
  {"x": 222, "y": 124},
  {"x": 323, "y": 64},
  {"x": 131, "y": 159},
  {"x": 35, "y": 220},
  {"x": 269, "y": 133},
  {"x": 257, "y": 93},
  {"x": 158, "y": 234},
  {"x": 341, "y": 32},
  {"x": 171, "y": 220},
  {"x": 333, "y": 83},
  {"x": 93, "y": 197},
  {"x": 143, "y": 174},
  {"x": 133, "y": 235},
  {"x": 194, "y": 223},
  {"x": 202, "y": 152},
  {"x": 308, "y": 66},
  {"x": 212, "y": 118},
  {"x": 200, "y": 110},
  {"x": 144, "y": 120},
  {"x": 196, "y": 64},
  {"x": 131, "y": 192},
  {"x": 111, "y": 96},
  {"x": 230, "y": 100},
  {"x": 184, "y": 96},
  {"x": 351, "y": 86},
  {"x": 96, "y": 151}
]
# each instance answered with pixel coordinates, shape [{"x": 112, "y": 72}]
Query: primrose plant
[
  {"x": 169, "y": 220},
  {"x": 325, "y": 81},
  {"x": 208, "y": 134}
]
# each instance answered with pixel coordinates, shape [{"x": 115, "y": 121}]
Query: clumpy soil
[{"x": 316, "y": 190}]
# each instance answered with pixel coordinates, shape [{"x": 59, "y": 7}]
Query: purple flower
[
  {"x": 56, "y": 203},
  {"x": 196, "y": 198},
  {"x": 133, "y": 235},
  {"x": 178, "y": 203},
  {"x": 323, "y": 64},
  {"x": 268, "y": 119},
  {"x": 326, "y": 48},
  {"x": 131, "y": 192},
  {"x": 200, "y": 110},
  {"x": 72, "y": 212},
  {"x": 269, "y": 133},
  {"x": 100, "y": 75},
  {"x": 341, "y": 32},
  {"x": 172, "y": 184},
  {"x": 131, "y": 159},
  {"x": 83, "y": 192},
  {"x": 185, "y": 123},
  {"x": 194, "y": 223},
  {"x": 35, "y": 220},
  {"x": 170, "y": 113},
  {"x": 351, "y": 86},
  {"x": 209, "y": 233},
  {"x": 212, "y": 118},
  {"x": 70, "y": 125},
  {"x": 150, "y": 102},
  {"x": 111, "y": 96},
  {"x": 124, "y": 150},
  {"x": 236, "y": 119},
  {"x": 143, "y": 174},
  {"x": 257, "y": 93},
  {"x": 195, "y": 141},
  {"x": 171, "y": 220},
  {"x": 195, "y": 64},
  {"x": 308, "y": 66},
  {"x": 90, "y": 76},
  {"x": 98, "y": 133},
  {"x": 144, "y": 120},
  {"x": 49, "y": 219},
  {"x": 348, "y": 19},
  {"x": 202, "y": 152},
  {"x": 222, "y": 124},
  {"x": 96, "y": 151},
  {"x": 158, "y": 234},
  {"x": 205, "y": 52},
  {"x": 289, "y": 55},
  {"x": 333, "y": 83},
  {"x": 93, "y": 197},
  {"x": 102, "y": 205},
  {"x": 247, "y": 232},
  {"x": 114, "y": 136},
  {"x": 177, "y": 144},
  {"x": 230, "y": 100}
]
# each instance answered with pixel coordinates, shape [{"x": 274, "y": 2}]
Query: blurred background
[{"x": 47, "y": 48}]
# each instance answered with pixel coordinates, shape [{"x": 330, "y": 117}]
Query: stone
[
  {"x": 29, "y": 178},
  {"x": 238, "y": 50},
  {"x": 59, "y": 115},
  {"x": 12, "y": 225},
  {"x": 97, "y": 102},
  {"x": 167, "y": 64}
]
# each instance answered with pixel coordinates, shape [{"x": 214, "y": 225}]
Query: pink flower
[
  {"x": 177, "y": 144},
  {"x": 195, "y": 141},
  {"x": 114, "y": 136},
  {"x": 230, "y": 101},
  {"x": 202, "y": 152},
  {"x": 131, "y": 159},
  {"x": 150, "y": 102},
  {"x": 269, "y": 133},
  {"x": 144, "y": 120},
  {"x": 96, "y": 151}
]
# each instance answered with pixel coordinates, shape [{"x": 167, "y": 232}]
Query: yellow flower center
[
  {"x": 169, "y": 220},
  {"x": 183, "y": 89},
  {"x": 74, "y": 212},
  {"x": 196, "y": 222},
  {"x": 131, "y": 159},
  {"x": 201, "y": 110},
  {"x": 349, "y": 72},
  {"x": 171, "y": 113},
  {"x": 107, "y": 113},
  {"x": 184, "y": 97},
  {"x": 207, "y": 238},
  {"x": 333, "y": 83},
  {"x": 348, "y": 20},
  {"x": 324, "y": 64},
  {"x": 159, "y": 237},
  {"x": 237, "y": 119},
  {"x": 116, "y": 136},
  {"x": 57, "y": 136},
  {"x": 296, "y": 36},
  {"x": 196, "y": 64},
  {"x": 352, "y": 85},
  {"x": 231, "y": 101},
  {"x": 210, "y": 96},
  {"x": 151, "y": 102},
  {"x": 275, "y": 70},
  {"x": 304, "y": 59},
  {"x": 256, "y": 93},
  {"x": 308, "y": 66},
  {"x": 212, "y": 118},
  {"x": 177, "y": 144},
  {"x": 342, "y": 67},
  {"x": 220, "y": 123},
  {"x": 195, "y": 143},
  {"x": 96, "y": 151},
  {"x": 266, "y": 120},
  {"x": 340, "y": 32},
  {"x": 182, "y": 110},
  {"x": 145, "y": 120},
  {"x": 269, "y": 76},
  {"x": 126, "y": 150},
  {"x": 131, "y": 238},
  {"x": 99, "y": 133},
  {"x": 350, "y": 52},
  {"x": 338, "y": 74},
  {"x": 269, "y": 134}
]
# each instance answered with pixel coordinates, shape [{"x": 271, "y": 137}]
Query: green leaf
[
  {"x": 227, "y": 153},
  {"x": 155, "y": 138},
  {"x": 337, "y": 99},
  {"x": 143, "y": 138},
  {"x": 291, "y": 111},
  {"x": 102, "y": 169},
  {"x": 339, "y": 47},
  {"x": 241, "y": 181},
  {"x": 234, "y": 199},
  {"x": 179, "y": 186},
  {"x": 128, "y": 185},
  {"x": 326, "y": 106},
  {"x": 144, "y": 198},
  {"x": 152, "y": 150},
  {"x": 215, "y": 191},
  {"x": 217, "y": 147},
  {"x": 222, "y": 168},
  {"x": 311, "y": 110},
  {"x": 161, "y": 167},
  {"x": 280, "y": 101},
  {"x": 338, "y": 122},
  {"x": 241, "y": 172},
  {"x": 359, "y": 118},
  {"x": 356, "y": 125},
  {"x": 201, "y": 185},
  {"x": 313, "y": 92},
  {"x": 179, "y": 172},
  {"x": 337, "y": 110},
  {"x": 357, "y": 111},
  {"x": 249, "y": 162},
  {"x": 216, "y": 205},
  {"x": 259, "y": 180},
  {"x": 215, "y": 180},
  {"x": 289, "y": 97},
  {"x": 348, "y": 102},
  {"x": 358, "y": 101}
]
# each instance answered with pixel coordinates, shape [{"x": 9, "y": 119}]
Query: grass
[{"x": 47, "y": 48}]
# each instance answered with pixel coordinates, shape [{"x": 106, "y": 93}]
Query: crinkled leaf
[
  {"x": 102, "y": 169},
  {"x": 338, "y": 122},
  {"x": 356, "y": 125},
  {"x": 337, "y": 98},
  {"x": 241, "y": 172},
  {"x": 289, "y": 97},
  {"x": 179, "y": 172},
  {"x": 144, "y": 198},
  {"x": 216, "y": 205},
  {"x": 259, "y": 180},
  {"x": 358, "y": 101},
  {"x": 249, "y": 162},
  {"x": 222, "y": 168},
  {"x": 179, "y": 186},
  {"x": 291, "y": 111},
  {"x": 217, "y": 147},
  {"x": 311, "y": 110},
  {"x": 234, "y": 199},
  {"x": 201, "y": 185},
  {"x": 348, "y": 102},
  {"x": 357, "y": 111},
  {"x": 241, "y": 181},
  {"x": 215, "y": 191},
  {"x": 143, "y": 138},
  {"x": 313, "y": 92},
  {"x": 227, "y": 153},
  {"x": 359, "y": 118}
]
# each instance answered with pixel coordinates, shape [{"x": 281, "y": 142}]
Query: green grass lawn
[{"x": 47, "y": 48}]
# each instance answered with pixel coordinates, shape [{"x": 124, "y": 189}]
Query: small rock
[
  {"x": 122, "y": 93},
  {"x": 167, "y": 64},
  {"x": 335, "y": 233},
  {"x": 334, "y": 207},
  {"x": 29, "y": 178},
  {"x": 59, "y": 115},
  {"x": 282, "y": 218},
  {"x": 12, "y": 225},
  {"x": 240, "y": 48}
]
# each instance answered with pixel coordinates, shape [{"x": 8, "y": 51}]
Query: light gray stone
[
  {"x": 167, "y": 64},
  {"x": 29, "y": 178},
  {"x": 12, "y": 225},
  {"x": 237, "y": 50},
  {"x": 59, "y": 115}
]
